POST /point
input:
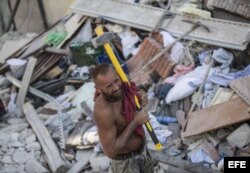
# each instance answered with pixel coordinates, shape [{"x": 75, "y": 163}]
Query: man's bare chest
[{"x": 120, "y": 121}]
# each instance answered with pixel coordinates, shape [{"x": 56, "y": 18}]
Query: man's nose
[{"x": 116, "y": 87}]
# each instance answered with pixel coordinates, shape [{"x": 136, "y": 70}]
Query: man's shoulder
[{"x": 101, "y": 106}]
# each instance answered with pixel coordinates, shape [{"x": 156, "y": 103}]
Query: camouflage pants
[{"x": 141, "y": 163}]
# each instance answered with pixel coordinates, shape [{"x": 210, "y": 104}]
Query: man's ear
[{"x": 97, "y": 89}]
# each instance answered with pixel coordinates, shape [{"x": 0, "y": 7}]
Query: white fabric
[{"x": 187, "y": 84}]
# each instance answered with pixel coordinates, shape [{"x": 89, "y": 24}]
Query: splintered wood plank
[
  {"x": 218, "y": 116},
  {"x": 26, "y": 81},
  {"x": 56, "y": 163}
]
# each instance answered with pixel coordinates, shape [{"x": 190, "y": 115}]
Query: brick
[
  {"x": 211, "y": 151},
  {"x": 149, "y": 48}
]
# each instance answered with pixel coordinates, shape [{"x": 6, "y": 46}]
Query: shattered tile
[{"x": 149, "y": 48}]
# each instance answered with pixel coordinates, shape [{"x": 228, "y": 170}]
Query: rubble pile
[{"x": 198, "y": 96}]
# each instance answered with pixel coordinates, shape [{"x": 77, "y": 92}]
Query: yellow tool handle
[{"x": 122, "y": 75}]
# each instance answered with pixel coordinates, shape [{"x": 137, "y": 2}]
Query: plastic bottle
[{"x": 166, "y": 119}]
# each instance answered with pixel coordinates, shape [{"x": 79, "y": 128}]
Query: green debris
[{"x": 54, "y": 38}]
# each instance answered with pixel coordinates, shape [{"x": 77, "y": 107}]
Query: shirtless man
[{"x": 118, "y": 139}]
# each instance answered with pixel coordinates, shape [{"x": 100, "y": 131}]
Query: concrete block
[
  {"x": 33, "y": 165},
  {"x": 100, "y": 163},
  {"x": 22, "y": 156},
  {"x": 14, "y": 121},
  {"x": 33, "y": 146},
  {"x": 31, "y": 138},
  {"x": 7, "y": 159},
  {"x": 240, "y": 137}
]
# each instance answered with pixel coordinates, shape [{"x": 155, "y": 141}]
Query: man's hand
[
  {"x": 144, "y": 98},
  {"x": 141, "y": 117}
]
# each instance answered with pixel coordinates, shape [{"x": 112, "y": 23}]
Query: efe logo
[
  {"x": 242, "y": 164},
  {"x": 236, "y": 164}
]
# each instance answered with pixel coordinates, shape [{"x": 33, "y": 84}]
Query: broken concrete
[{"x": 240, "y": 137}]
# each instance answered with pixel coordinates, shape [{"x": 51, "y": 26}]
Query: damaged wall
[{"x": 28, "y": 18}]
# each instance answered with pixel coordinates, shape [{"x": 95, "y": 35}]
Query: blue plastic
[
  {"x": 104, "y": 59},
  {"x": 166, "y": 119}
]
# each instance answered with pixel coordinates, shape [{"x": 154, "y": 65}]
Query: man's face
[{"x": 110, "y": 86}]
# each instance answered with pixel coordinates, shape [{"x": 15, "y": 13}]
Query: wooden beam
[
  {"x": 25, "y": 82},
  {"x": 56, "y": 163},
  {"x": 217, "y": 116},
  {"x": 56, "y": 51}
]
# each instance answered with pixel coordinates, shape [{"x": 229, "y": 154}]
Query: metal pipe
[
  {"x": 43, "y": 14},
  {"x": 12, "y": 15}
]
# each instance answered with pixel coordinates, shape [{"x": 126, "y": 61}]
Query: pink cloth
[{"x": 179, "y": 70}]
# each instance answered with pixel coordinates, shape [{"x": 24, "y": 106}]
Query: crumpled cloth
[
  {"x": 224, "y": 57},
  {"x": 179, "y": 70},
  {"x": 187, "y": 84},
  {"x": 224, "y": 79},
  {"x": 129, "y": 105},
  {"x": 177, "y": 51}
]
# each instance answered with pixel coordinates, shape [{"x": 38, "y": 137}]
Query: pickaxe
[
  {"x": 195, "y": 25},
  {"x": 105, "y": 39}
]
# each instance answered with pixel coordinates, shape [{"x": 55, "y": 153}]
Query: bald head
[
  {"x": 101, "y": 69},
  {"x": 107, "y": 82}
]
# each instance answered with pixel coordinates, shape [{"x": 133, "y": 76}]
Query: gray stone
[
  {"x": 10, "y": 151},
  {"x": 226, "y": 150},
  {"x": 30, "y": 139},
  {"x": 33, "y": 165},
  {"x": 81, "y": 154},
  {"x": 100, "y": 163},
  {"x": 4, "y": 141},
  {"x": 14, "y": 136},
  {"x": 37, "y": 155},
  {"x": 30, "y": 131},
  {"x": 4, "y": 148},
  {"x": 7, "y": 159},
  {"x": 22, "y": 156},
  {"x": 16, "y": 144},
  {"x": 13, "y": 168},
  {"x": 3, "y": 125},
  {"x": 240, "y": 137},
  {"x": 33, "y": 146},
  {"x": 14, "y": 128},
  {"x": 24, "y": 134},
  {"x": 43, "y": 158},
  {"x": 21, "y": 149},
  {"x": 9, "y": 169},
  {"x": 221, "y": 165},
  {"x": 13, "y": 121}
]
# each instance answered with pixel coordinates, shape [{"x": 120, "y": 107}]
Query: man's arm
[{"x": 113, "y": 143}]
